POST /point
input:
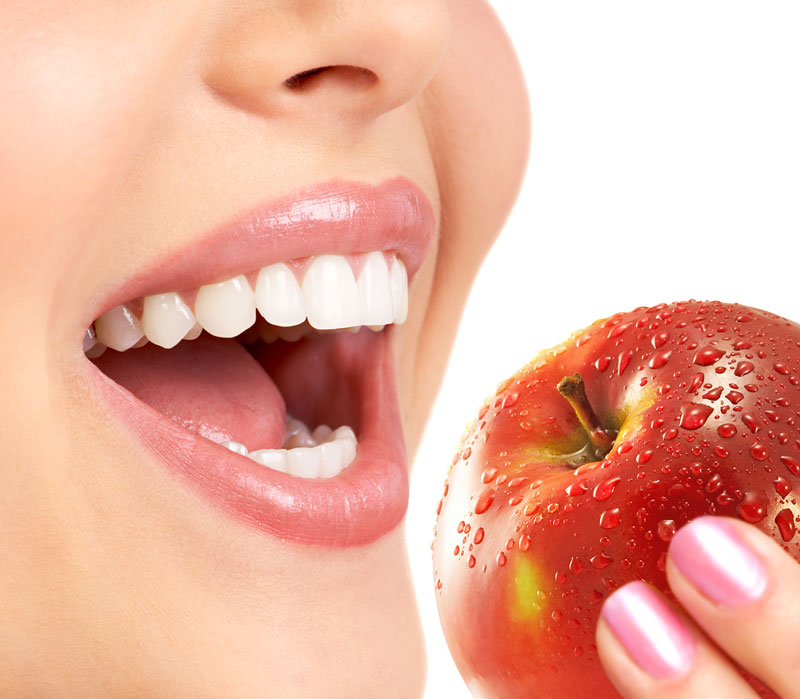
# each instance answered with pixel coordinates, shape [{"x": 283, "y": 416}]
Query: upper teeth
[{"x": 328, "y": 296}]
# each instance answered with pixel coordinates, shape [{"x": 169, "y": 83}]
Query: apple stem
[{"x": 574, "y": 390}]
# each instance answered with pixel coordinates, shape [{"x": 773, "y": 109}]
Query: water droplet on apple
[
  {"x": 575, "y": 565},
  {"x": 694, "y": 415},
  {"x": 708, "y": 356},
  {"x": 489, "y": 475},
  {"x": 579, "y": 487},
  {"x": 696, "y": 383},
  {"x": 759, "y": 452},
  {"x": 725, "y": 498},
  {"x": 785, "y": 521},
  {"x": 792, "y": 464},
  {"x": 601, "y": 560},
  {"x": 743, "y": 368},
  {"x": 782, "y": 486},
  {"x": 610, "y": 518},
  {"x": 604, "y": 489},
  {"x": 726, "y": 430},
  {"x": 659, "y": 339},
  {"x": 753, "y": 506},
  {"x": 478, "y": 535},
  {"x": 594, "y": 597},
  {"x": 666, "y": 529},
  {"x": 660, "y": 359},
  {"x": 501, "y": 559},
  {"x": 602, "y": 363},
  {"x": 471, "y": 562},
  {"x": 714, "y": 483},
  {"x": 484, "y": 501},
  {"x": 751, "y": 422},
  {"x": 531, "y": 508},
  {"x": 623, "y": 360}
]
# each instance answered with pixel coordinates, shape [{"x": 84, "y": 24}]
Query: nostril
[{"x": 351, "y": 76}]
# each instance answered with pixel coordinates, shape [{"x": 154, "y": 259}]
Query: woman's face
[{"x": 154, "y": 148}]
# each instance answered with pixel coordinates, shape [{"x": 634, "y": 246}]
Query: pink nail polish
[
  {"x": 651, "y": 633},
  {"x": 713, "y": 557}
]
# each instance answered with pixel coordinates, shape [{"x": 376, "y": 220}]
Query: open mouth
[{"x": 272, "y": 391}]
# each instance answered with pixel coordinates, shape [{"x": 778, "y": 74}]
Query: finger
[
  {"x": 742, "y": 588},
  {"x": 650, "y": 650}
]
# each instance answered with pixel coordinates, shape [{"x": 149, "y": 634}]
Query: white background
[{"x": 665, "y": 165}]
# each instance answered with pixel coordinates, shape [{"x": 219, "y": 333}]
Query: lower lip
[{"x": 364, "y": 502}]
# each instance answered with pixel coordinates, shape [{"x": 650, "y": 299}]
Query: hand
[{"x": 739, "y": 593}]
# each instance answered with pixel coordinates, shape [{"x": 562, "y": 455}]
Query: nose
[{"x": 326, "y": 58}]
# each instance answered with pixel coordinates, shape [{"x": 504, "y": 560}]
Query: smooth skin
[
  {"x": 128, "y": 130},
  {"x": 761, "y": 636}
]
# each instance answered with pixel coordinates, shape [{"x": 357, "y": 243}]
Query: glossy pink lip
[
  {"x": 337, "y": 217},
  {"x": 369, "y": 498}
]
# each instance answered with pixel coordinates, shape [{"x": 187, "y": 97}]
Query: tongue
[{"x": 210, "y": 386}]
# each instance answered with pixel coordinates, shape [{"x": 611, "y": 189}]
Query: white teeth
[
  {"x": 330, "y": 293},
  {"x": 399, "y": 283},
  {"x": 278, "y": 296},
  {"x": 347, "y": 438},
  {"x": 268, "y": 333},
  {"x": 321, "y": 433},
  {"x": 227, "y": 308},
  {"x": 374, "y": 290},
  {"x": 293, "y": 426},
  {"x": 194, "y": 333},
  {"x": 118, "y": 328},
  {"x": 330, "y": 299},
  {"x": 325, "y": 453},
  {"x": 272, "y": 458},
  {"x": 304, "y": 462},
  {"x": 235, "y": 447},
  {"x": 293, "y": 333},
  {"x": 301, "y": 439},
  {"x": 331, "y": 459},
  {"x": 89, "y": 339},
  {"x": 96, "y": 350},
  {"x": 166, "y": 319}
]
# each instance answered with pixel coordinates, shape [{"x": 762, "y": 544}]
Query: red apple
[{"x": 553, "y": 500}]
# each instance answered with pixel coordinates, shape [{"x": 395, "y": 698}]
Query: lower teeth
[{"x": 323, "y": 453}]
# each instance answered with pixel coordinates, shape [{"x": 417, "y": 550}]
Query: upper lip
[{"x": 337, "y": 217}]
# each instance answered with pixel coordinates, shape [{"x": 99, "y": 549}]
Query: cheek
[
  {"x": 79, "y": 85},
  {"x": 415, "y": 395}
]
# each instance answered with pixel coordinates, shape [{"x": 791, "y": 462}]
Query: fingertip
[
  {"x": 651, "y": 633},
  {"x": 716, "y": 558}
]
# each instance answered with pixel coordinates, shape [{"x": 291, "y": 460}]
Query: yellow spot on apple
[
  {"x": 526, "y": 590},
  {"x": 631, "y": 417}
]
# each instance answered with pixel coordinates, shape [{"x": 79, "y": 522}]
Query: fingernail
[
  {"x": 714, "y": 558},
  {"x": 651, "y": 633}
]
